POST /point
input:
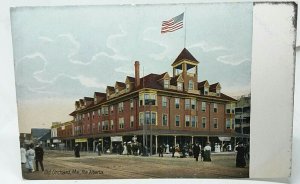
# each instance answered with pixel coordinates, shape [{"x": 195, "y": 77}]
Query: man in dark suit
[
  {"x": 39, "y": 155},
  {"x": 196, "y": 151}
]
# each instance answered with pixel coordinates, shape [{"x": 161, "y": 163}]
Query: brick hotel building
[{"x": 170, "y": 109}]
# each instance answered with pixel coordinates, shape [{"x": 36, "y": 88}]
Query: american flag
[{"x": 173, "y": 24}]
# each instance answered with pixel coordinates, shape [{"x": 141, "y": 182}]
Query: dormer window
[
  {"x": 206, "y": 90},
  {"x": 191, "y": 85},
  {"x": 218, "y": 92},
  {"x": 166, "y": 84},
  {"x": 127, "y": 87},
  {"x": 179, "y": 86},
  {"x": 117, "y": 90},
  {"x": 95, "y": 100}
]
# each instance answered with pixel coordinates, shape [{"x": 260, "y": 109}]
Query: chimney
[{"x": 137, "y": 73}]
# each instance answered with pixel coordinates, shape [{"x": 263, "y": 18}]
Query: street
[{"x": 63, "y": 165}]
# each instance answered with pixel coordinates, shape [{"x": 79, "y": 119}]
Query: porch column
[
  {"x": 192, "y": 139},
  {"x": 175, "y": 140},
  {"x": 102, "y": 145},
  {"x": 208, "y": 139},
  {"x": 156, "y": 144}
]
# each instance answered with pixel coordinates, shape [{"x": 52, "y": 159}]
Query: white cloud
[
  {"x": 232, "y": 59},
  {"x": 205, "y": 47},
  {"x": 149, "y": 35},
  {"x": 110, "y": 42},
  {"x": 90, "y": 82},
  {"x": 125, "y": 70}
]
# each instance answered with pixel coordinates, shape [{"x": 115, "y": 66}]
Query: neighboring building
[
  {"x": 172, "y": 109},
  {"x": 242, "y": 115},
  {"x": 25, "y": 139},
  {"x": 38, "y": 135}
]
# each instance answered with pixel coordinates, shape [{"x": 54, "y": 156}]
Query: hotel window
[
  {"x": 206, "y": 90},
  {"x": 164, "y": 120},
  {"x": 121, "y": 107},
  {"x": 166, "y": 84},
  {"x": 228, "y": 123},
  {"x": 164, "y": 101},
  {"x": 111, "y": 109},
  {"x": 194, "y": 121},
  {"x": 105, "y": 125},
  {"x": 93, "y": 126},
  {"x": 141, "y": 118},
  {"x": 99, "y": 126},
  {"x": 99, "y": 112},
  {"x": 131, "y": 103},
  {"x": 131, "y": 121},
  {"x": 228, "y": 111},
  {"x": 111, "y": 124},
  {"x": 215, "y": 107},
  {"x": 187, "y": 120},
  {"x": 153, "y": 118},
  {"x": 203, "y": 122},
  {"x": 187, "y": 103},
  {"x": 233, "y": 124},
  {"x": 215, "y": 123},
  {"x": 203, "y": 108},
  {"x": 93, "y": 114},
  {"x": 121, "y": 123},
  {"x": 88, "y": 115},
  {"x": 177, "y": 120},
  {"x": 147, "y": 99},
  {"x": 88, "y": 128},
  {"x": 194, "y": 104},
  {"x": 104, "y": 110},
  {"x": 179, "y": 86},
  {"x": 177, "y": 103},
  {"x": 191, "y": 85}
]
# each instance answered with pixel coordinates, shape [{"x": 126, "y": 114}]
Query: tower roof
[{"x": 185, "y": 55}]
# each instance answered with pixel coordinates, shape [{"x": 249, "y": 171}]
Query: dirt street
[{"x": 63, "y": 165}]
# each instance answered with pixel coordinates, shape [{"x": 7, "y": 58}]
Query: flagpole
[{"x": 185, "y": 27}]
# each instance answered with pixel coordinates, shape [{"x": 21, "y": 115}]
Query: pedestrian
[
  {"x": 240, "y": 156},
  {"x": 39, "y": 155},
  {"x": 23, "y": 155},
  {"x": 206, "y": 154},
  {"x": 99, "y": 149},
  {"x": 30, "y": 154},
  {"x": 196, "y": 151},
  {"x": 77, "y": 151},
  {"x": 160, "y": 151},
  {"x": 125, "y": 149}
]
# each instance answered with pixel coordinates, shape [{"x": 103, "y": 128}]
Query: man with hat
[{"x": 39, "y": 154}]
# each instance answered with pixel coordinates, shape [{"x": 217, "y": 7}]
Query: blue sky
[{"x": 70, "y": 52}]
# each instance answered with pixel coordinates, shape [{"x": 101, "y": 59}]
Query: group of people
[{"x": 32, "y": 154}]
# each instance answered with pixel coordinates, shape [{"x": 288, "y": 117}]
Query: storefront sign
[
  {"x": 56, "y": 141},
  {"x": 116, "y": 139},
  {"x": 81, "y": 140},
  {"x": 224, "y": 138}
]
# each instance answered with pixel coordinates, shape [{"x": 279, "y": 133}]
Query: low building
[{"x": 242, "y": 115}]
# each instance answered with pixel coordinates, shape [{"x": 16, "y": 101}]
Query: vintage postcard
[{"x": 106, "y": 91}]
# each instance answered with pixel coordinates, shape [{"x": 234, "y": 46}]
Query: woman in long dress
[
  {"x": 240, "y": 156},
  {"x": 30, "y": 155},
  {"x": 23, "y": 155},
  {"x": 124, "y": 149}
]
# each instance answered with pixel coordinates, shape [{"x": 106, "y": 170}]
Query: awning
[{"x": 81, "y": 140}]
